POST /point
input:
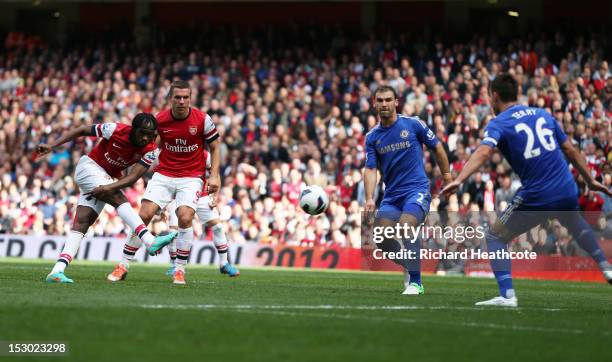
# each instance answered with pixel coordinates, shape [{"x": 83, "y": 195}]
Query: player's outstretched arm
[
  {"x": 137, "y": 171},
  {"x": 43, "y": 149},
  {"x": 477, "y": 159},
  {"x": 578, "y": 161},
  {"x": 442, "y": 161}
]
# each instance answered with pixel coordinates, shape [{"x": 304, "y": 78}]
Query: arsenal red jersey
[
  {"x": 115, "y": 152},
  {"x": 182, "y": 143}
]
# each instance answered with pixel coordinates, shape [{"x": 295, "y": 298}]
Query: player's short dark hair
[
  {"x": 145, "y": 121},
  {"x": 386, "y": 88},
  {"x": 506, "y": 87},
  {"x": 180, "y": 84}
]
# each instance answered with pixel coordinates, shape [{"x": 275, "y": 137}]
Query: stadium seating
[{"x": 290, "y": 114}]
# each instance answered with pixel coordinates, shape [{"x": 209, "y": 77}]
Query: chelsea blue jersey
[
  {"x": 530, "y": 139},
  {"x": 397, "y": 151}
]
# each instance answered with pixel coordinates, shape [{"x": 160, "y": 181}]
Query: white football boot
[
  {"x": 500, "y": 302},
  {"x": 608, "y": 275}
]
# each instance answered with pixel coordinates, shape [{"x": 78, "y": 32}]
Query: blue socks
[
  {"x": 414, "y": 265},
  {"x": 392, "y": 245},
  {"x": 583, "y": 233},
  {"x": 501, "y": 267}
]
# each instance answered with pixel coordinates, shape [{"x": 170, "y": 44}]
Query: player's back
[{"x": 530, "y": 139}]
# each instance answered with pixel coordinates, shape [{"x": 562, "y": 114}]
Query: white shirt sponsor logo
[{"x": 119, "y": 163}]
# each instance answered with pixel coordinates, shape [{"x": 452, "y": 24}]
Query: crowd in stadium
[{"x": 291, "y": 114}]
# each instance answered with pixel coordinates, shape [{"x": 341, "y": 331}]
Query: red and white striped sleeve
[
  {"x": 104, "y": 129},
  {"x": 210, "y": 131}
]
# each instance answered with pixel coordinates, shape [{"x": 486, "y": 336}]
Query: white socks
[
  {"x": 129, "y": 250},
  {"x": 184, "y": 240},
  {"x": 71, "y": 247},
  {"x": 130, "y": 217},
  {"x": 172, "y": 251},
  {"x": 220, "y": 243}
]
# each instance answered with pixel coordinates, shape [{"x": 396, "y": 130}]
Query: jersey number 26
[{"x": 545, "y": 136}]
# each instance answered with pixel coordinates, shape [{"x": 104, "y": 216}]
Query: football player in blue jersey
[
  {"x": 395, "y": 147},
  {"x": 534, "y": 145}
]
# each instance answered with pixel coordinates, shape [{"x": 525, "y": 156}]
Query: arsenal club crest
[{"x": 193, "y": 130}]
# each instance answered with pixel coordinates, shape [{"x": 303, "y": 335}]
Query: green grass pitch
[{"x": 298, "y": 315}]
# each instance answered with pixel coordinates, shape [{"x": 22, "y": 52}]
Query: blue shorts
[
  {"x": 415, "y": 204},
  {"x": 521, "y": 217}
]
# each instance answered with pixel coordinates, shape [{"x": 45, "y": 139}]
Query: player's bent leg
[
  {"x": 172, "y": 253},
  {"x": 187, "y": 197},
  {"x": 388, "y": 216},
  {"x": 148, "y": 209},
  {"x": 497, "y": 240},
  {"x": 502, "y": 269},
  {"x": 133, "y": 220},
  {"x": 172, "y": 225},
  {"x": 184, "y": 241},
  {"x": 583, "y": 234},
  {"x": 85, "y": 217},
  {"x": 391, "y": 245},
  {"x": 515, "y": 221},
  {"x": 222, "y": 246},
  {"x": 412, "y": 216},
  {"x": 88, "y": 175}
]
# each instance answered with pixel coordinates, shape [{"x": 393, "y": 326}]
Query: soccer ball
[{"x": 313, "y": 200}]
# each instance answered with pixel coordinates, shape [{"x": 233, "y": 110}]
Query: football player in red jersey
[
  {"x": 184, "y": 132},
  {"x": 121, "y": 147}
]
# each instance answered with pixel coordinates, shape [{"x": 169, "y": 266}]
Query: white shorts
[
  {"x": 163, "y": 189},
  {"x": 204, "y": 212},
  {"x": 88, "y": 175}
]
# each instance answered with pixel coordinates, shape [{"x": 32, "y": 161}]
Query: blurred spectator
[
  {"x": 504, "y": 194},
  {"x": 292, "y": 113},
  {"x": 591, "y": 203}
]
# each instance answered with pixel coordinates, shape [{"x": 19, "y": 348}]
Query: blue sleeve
[
  {"x": 559, "y": 134},
  {"x": 425, "y": 135},
  {"x": 371, "y": 157},
  {"x": 492, "y": 135}
]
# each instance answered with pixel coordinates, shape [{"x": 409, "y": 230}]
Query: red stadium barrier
[
  {"x": 549, "y": 267},
  {"x": 552, "y": 267},
  {"x": 300, "y": 257}
]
